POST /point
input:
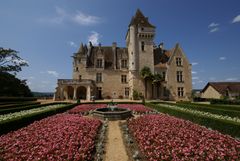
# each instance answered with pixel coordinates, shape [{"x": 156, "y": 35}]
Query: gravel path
[{"x": 115, "y": 149}]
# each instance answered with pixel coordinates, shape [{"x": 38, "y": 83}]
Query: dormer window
[
  {"x": 99, "y": 63},
  {"x": 142, "y": 45},
  {"x": 124, "y": 63},
  {"x": 179, "y": 61}
]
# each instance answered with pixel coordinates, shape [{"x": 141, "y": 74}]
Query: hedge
[
  {"x": 225, "y": 127},
  {"x": 17, "y": 104},
  {"x": 12, "y": 125},
  {"x": 17, "y": 99},
  {"x": 214, "y": 110},
  {"x": 224, "y": 101},
  {"x": 26, "y": 107}
]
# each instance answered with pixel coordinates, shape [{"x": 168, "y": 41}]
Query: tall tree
[
  {"x": 10, "y": 85},
  {"x": 146, "y": 74},
  {"x": 10, "y": 61}
]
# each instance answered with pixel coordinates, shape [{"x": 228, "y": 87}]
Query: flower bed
[
  {"x": 25, "y": 113},
  {"x": 138, "y": 108},
  {"x": 85, "y": 108},
  {"x": 162, "y": 137},
  {"x": 60, "y": 137}
]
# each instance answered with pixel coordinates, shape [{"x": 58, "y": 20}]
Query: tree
[
  {"x": 146, "y": 74},
  {"x": 10, "y": 61},
  {"x": 10, "y": 85},
  {"x": 157, "y": 79}
]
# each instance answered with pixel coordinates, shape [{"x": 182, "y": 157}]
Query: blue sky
[{"x": 46, "y": 33}]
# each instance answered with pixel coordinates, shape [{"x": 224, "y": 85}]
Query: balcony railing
[{"x": 75, "y": 81}]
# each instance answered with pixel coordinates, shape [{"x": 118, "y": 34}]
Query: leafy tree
[
  {"x": 12, "y": 86},
  {"x": 146, "y": 74},
  {"x": 10, "y": 61}
]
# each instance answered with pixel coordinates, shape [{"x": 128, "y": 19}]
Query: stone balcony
[{"x": 75, "y": 82}]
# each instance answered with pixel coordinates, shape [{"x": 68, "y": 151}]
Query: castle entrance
[
  {"x": 81, "y": 92},
  {"x": 68, "y": 92}
]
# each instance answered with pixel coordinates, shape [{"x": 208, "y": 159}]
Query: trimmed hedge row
[
  {"x": 214, "y": 110},
  {"x": 17, "y": 99},
  {"x": 225, "y": 127},
  {"x": 26, "y": 107},
  {"x": 223, "y": 101},
  {"x": 12, "y": 125},
  {"x": 17, "y": 104}
]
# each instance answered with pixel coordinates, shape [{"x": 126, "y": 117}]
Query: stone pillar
[
  {"x": 74, "y": 93},
  {"x": 88, "y": 93}
]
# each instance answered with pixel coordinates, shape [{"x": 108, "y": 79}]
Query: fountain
[{"x": 112, "y": 112}]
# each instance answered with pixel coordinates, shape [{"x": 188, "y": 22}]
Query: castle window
[
  {"x": 80, "y": 77},
  {"x": 180, "y": 92},
  {"x": 142, "y": 45},
  {"x": 124, "y": 63},
  {"x": 124, "y": 78},
  {"x": 164, "y": 75},
  {"x": 179, "y": 61},
  {"x": 179, "y": 76},
  {"x": 142, "y": 29},
  {"x": 99, "y": 63},
  {"x": 126, "y": 91},
  {"x": 76, "y": 69},
  {"x": 79, "y": 61},
  {"x": 99, "y": 77}
]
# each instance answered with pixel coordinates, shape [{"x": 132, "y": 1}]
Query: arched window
[{"x": 142, "y": 45}]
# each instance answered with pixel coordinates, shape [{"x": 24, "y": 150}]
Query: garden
[{"x": 157, "y": 131}]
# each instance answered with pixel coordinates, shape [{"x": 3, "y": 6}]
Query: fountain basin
[{"x": 112, "y": 113}]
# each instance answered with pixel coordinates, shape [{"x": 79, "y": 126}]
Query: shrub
[{"x": 135, "y": 95}]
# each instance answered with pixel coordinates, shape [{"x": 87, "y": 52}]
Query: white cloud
[
  {"x": 195, "y": 78},
  {"x": 71, "y": 43},
  {"x": 222, "y": 58},
  {"x": 214, "y": 30},
  {"x": 194, "y": 72},
  {"x": 213, "y": 24},
  {"x": 236, "y": 19},
  {"x": 193, "y": 83},
  {"x": 54, "y": 73},
  {"x": 84, "y": 19},
  {"x": 94, "y": 38},
  {"x": 231, "y": 79},
  {"x": 79, "y": 17},
  {"x": 195, "y": 63}
]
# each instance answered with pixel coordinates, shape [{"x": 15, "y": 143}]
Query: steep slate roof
[
  {"x": 140, "y": 19},
  {"x": 161, "y": 57},
  {"x": 222, "y": 87},
  {"x": 107, "y": 52}
]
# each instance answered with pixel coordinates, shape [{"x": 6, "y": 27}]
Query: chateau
[{"x": 114, "y": 72}]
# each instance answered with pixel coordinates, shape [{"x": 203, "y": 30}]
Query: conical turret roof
[{"x": 140, "y": 19}]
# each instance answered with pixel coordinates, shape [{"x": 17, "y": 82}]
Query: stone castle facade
[{"x": 114, "y": 72}]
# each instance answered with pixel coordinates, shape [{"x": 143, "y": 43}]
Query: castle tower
[{"x": 139, "y": 40}]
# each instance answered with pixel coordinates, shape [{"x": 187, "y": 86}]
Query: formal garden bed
[
  {"x": 162, "y": 137},
  {"x": 148, "y": 135},
  {"x": 60, "y": 137}
]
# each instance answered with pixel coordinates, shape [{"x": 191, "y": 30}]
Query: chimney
[
  {"x": 161, "y": 46},
  {"x": 114, "y": 50}
]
